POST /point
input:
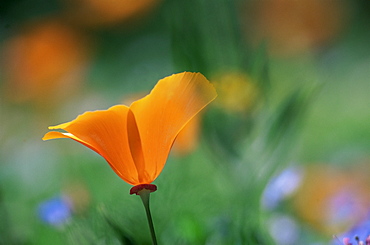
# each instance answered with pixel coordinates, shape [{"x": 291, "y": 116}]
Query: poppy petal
[
  {"x": 162, "y": 114},
  {"x": 105, "y": 132}
]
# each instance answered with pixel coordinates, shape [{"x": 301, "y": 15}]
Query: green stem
[{"x": 144, "y": 195}]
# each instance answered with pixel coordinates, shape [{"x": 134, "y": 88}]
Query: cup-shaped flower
[{"x": 136, "y": 140}]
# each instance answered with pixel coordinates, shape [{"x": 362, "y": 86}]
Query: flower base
[{"x": 137, "y": 188}]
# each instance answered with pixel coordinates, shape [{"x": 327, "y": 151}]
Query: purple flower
[
  {"x": 359, "y": 233},
  {"x": 281, "y": 186}
]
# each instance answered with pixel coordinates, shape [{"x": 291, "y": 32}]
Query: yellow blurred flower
[{"x": 236, "y": 91}]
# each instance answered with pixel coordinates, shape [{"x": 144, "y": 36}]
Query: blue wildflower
[{"x": 56, "y": 211}]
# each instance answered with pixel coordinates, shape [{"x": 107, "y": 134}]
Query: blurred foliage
[{"x": 295, "y": 95}]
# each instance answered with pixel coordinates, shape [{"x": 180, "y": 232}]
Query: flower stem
[{"x": 144, "y": 195}]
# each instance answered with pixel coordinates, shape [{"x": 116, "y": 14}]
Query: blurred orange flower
[
  {"x": 108, "y": 12},
  {"x": 187, "y": 139},
  {"x": 44, "y": 62},
  {"x": 332, "y": 200},
  {"x": 136, "y": 140},
  {"x": 292, "y": 27}
]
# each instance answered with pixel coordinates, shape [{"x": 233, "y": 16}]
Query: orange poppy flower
[
  {"x": 187, "y": 139},
  {"x": 136, "y": 140}
]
